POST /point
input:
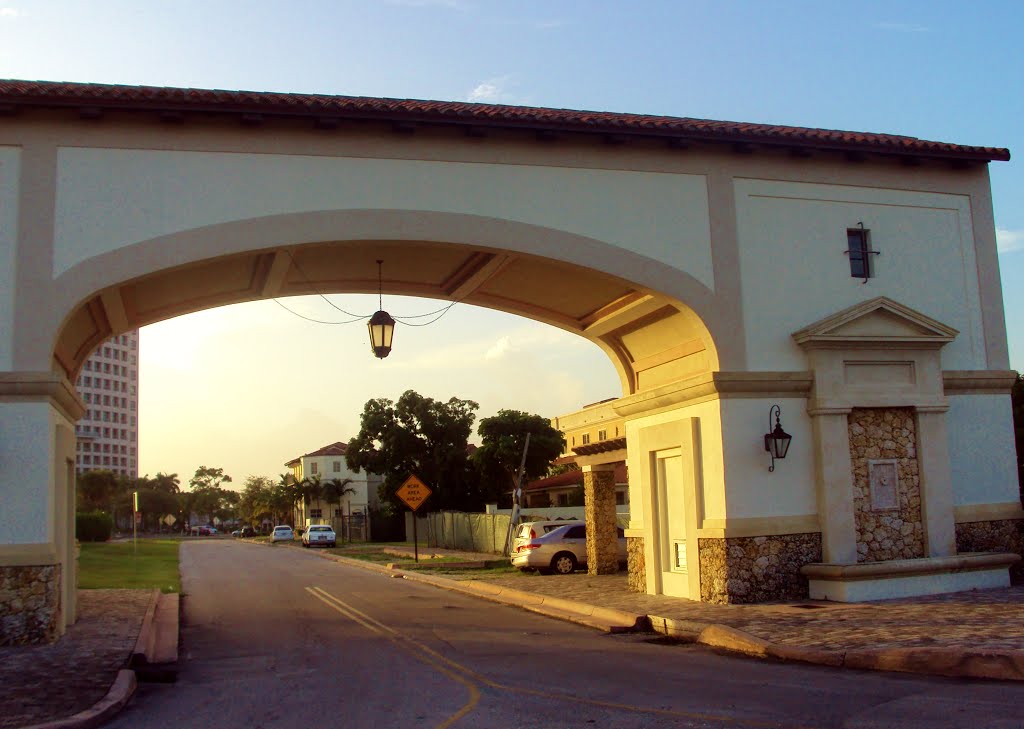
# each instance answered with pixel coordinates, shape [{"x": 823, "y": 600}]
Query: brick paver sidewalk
[
  {"x": 979, "y": 620},
  {"x": 43, "y": 683}
]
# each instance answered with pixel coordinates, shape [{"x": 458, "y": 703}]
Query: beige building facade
[{"x": 849, "y": 279}]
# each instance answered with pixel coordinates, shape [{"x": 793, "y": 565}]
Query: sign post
[
  {"x": 413, "y": 493},
  {"x": 135, "y": 523}
]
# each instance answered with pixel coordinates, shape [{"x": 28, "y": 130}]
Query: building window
[
  {"x": 586, "y": 438},
  {"x": 858, "y": 248},
  {"x": 315, "y": 513},
  {"x": 337, "y": 513},
  {"x": 620, "y": 498},
  {"x": 312, "y": 467},
  {"x": 336, "y": 466},
  {"x": 602, "y": 435}
]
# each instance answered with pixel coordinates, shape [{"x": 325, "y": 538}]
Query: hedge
[{"x": 93, "y": 526}]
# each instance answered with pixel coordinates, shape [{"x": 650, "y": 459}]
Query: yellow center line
[
  {"x": 466, "y": 676},
  {"x": 401, "y": 641}
]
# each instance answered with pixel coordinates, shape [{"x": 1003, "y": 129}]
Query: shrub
[{"x": 93, "y": 526}]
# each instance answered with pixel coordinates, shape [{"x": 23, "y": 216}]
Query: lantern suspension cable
[{"x": 361, "y": 317}]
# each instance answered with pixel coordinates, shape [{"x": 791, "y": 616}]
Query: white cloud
[
  {"x": 904, "y": 27},
  {"x": 1008, "y": 241},
  {"x": 499, "y": 349},
  {"x": 11, "y": 13},
  {"x": 492, "y": 91}
]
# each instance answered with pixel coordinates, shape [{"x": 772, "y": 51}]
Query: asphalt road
[{"x": 277, "y": 637}]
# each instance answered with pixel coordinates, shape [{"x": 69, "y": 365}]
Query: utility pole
[{"x": 517, "y": 498}]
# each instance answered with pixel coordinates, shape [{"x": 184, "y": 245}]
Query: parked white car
[
  {"x": 561, "y": 550},
  {"x": 319, "y": 535},
  {"x": 282, "y": 533},
  {"x": 532, "y": 529}
]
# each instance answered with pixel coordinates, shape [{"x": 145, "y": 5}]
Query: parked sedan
[
  {"x": 319, "y": 536},
  {"x": 282, "y": 533},
  {"x": 561, "y": 550}
]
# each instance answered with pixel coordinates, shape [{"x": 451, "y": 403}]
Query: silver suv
[{"x": 561, "y": 549}]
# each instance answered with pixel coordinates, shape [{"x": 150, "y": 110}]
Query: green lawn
[{"x": 117, "y": 565}]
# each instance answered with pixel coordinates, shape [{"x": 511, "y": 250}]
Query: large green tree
[
  {"x": 422, "y": 436},
  {"x": 502, "y": 438},
  {"x": 207, "y": 498},
  {"x": 255, "y": 501}
]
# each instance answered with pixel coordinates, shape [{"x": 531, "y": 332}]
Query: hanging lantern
[
  {"x": 382, "y": 329},
  {"x": 381, "y": 324}
]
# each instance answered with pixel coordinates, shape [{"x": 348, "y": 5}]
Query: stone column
[
  {"x": 602, "y": 536},
  {"x": 936, "y": 483},
  {"x": 834, "y": 473}
]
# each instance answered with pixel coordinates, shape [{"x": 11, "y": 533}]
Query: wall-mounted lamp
[
  {"x": 777, "y": 441},
  {"x": 381, "y": 325}
]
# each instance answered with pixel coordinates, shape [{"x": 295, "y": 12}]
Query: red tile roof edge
[
  {"x": 569, "y": 478},
  {"x": 337, "y": 448},
  {"x": 15, "y": 93}
]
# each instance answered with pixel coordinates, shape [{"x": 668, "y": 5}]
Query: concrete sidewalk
[{"x": 88, "y": 675}]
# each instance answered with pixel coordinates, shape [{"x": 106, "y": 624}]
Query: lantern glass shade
[
  {"x": 382, "y": 330},
  {"x": 777, "y": 442}
]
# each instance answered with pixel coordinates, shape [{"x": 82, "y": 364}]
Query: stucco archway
[{"x": 663, "y": 240}]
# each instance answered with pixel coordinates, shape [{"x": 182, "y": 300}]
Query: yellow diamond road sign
[{"x": 413, "y": 492}]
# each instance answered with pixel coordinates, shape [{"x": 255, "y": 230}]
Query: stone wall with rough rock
[
  {"x": 893, "y": 530},
  {"x": 29, "y": 604},
  {"x": 1004, "y": 535},
  {"x": 636, "y": 564},
  {"x": 599, "y": 510},
  {"x": 756, "y": 569}
]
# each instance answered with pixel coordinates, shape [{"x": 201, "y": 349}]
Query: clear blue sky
[{"x": 949, "y": 71}]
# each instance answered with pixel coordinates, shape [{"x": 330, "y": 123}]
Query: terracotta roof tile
[
  {"x": 334, "y": 449},
  {"x": 569, "y": 478},
  {"x": 16, "y": 93}
]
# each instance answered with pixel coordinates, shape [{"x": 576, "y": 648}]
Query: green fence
[{"x": 469, "y": 532}]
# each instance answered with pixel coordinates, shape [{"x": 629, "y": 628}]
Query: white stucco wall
[
  {"x": 663, "y": 216},
  {"x": 982, "y": 449},
  {"x": 10, "y": 158},
  {"x": 789, "y": 490},
  {"x": 27, "y": 433},
  {"x": 792, "y": 236}
]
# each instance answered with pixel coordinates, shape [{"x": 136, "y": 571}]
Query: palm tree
[
  {"x": 313, "y": 488},
  {"x": 337, "y": 488}
]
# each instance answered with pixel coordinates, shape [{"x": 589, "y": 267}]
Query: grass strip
[{"x": 117, "y": 565}]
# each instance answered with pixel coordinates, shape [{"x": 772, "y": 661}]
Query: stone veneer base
[
  {"x": 756, "y": 569},
  {"x": 636, "y": 564},
  {"x": 29, "y": 604},
  {"x": 1003, "y": 535}
]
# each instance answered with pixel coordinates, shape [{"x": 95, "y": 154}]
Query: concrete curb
[
  {"x": 1007, "y": 665},
  {"x": 103, "y": 710},
  {"x": 147, "y": 633}
]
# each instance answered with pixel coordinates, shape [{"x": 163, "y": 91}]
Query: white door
[{"x": 671, "y": 517}]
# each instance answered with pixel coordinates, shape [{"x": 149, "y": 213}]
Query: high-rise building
[{"x": 108, "y": 435}]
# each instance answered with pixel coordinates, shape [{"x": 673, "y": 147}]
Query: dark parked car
[{"x": 248, "y": 531}]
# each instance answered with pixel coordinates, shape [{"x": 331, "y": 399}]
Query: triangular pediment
[{"x": 879, "y": 322}]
